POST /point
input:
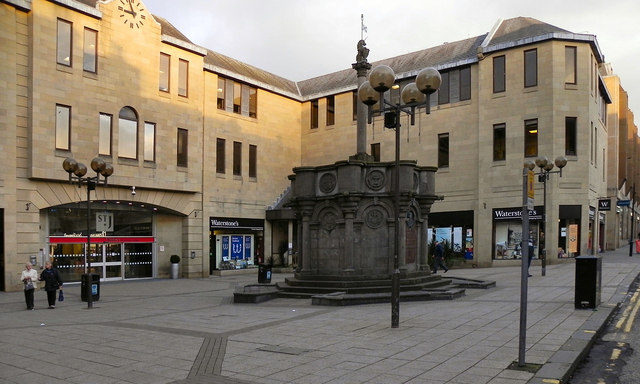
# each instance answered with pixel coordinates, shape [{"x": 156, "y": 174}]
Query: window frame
[
  {"x": 237, "y": 89},
  {"x": 222, "y": 102},
  {"x": 153, "y": 144},
  {"x": 443, "y": 153},
  {"x": 120, "y": 130},
  {"x": 443, "y": 91},
  {"x": 58, "y": 46},
  {"x": 237, "y": 158},
  {"x": 183, "y": 76},
  {"x": 570, "y": 138},
  {"x": 110, "y": 136},
  {"x": 499, "y": 141},
  {"x": 313, "y": 117},
  {"x": 568, "y": 48},
  {"x": 355, "y": 105},
  {"x": 497, "y": 74},
  {"x": 330, "y": 110},
  {"x": 253, "y": 161},
  {"x": 528, "y": 124},
  {"x": 527, "y": 81},
  {"x": 68, "y": 127},
  {"x": 465, "y": 88},
  {"x": 220, "y": 155},
  {"x": 253, "y": 101},
  {"x": 168, "y": 74},
  {"x": 182, "y": 151},
  {"x": 375, "y": 151},
  {"x": 95, "y": 51}
]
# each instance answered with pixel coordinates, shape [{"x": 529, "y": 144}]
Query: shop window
[
  {"x": 253, "y": 161},
  {"x": 63, "y": 127},
  {"x": 220, "y": 146},
  {"x": 237, "y": 158},
  {"x": 90, "y": 50},
  {"x": 314, "y": 114},
  {"x": 183, "y": 147},
  {"x": 64, "y": 51},
  {"x": 570, "y": 65},
  {"x": 375, "y": 151},
  {"x": 221, "y": 93},
  {"x": 105, "y": 135},
  {"x": 331, "y": 110},
  {"x": 183, "y": 78},
  {"x": 508, "y": 237},
  {"x": 165, "y": 70},
  {"x": 499, "y": 142},
  {"x": 149, "y": 141},
  {"x": 570, "y": 136},
  {"x": 443, "y": 150},
  {"x": 128, "y": 133},
  {"x": 499, "y": 74},
  {"x": 531, "y": 138},
  {"x": 531, "y": 68}
]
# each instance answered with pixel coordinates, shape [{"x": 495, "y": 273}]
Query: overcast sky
[{"x": 300, "y": 39}]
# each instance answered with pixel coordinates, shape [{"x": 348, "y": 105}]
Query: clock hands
[{"x": 131, "y": 12}]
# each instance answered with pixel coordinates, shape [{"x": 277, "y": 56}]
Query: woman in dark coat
[{"x": 52, "y": 282}]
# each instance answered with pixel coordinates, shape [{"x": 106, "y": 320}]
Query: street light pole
[
  {"x": 77, "y": 172},
  {"x": 633, "y": 197},
  {"x": 413, "y": 95}
]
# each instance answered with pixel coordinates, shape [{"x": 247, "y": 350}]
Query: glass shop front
[
  {"x": 121, "y": 241},
  {"x": 507, "y": 232}
]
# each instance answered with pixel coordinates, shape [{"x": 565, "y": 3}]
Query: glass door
[
  {"x": 106, "y": 260},
  {"x": 138, "y": 260}
]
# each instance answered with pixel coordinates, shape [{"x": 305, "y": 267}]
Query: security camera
[{"x": 133, "y": 191}]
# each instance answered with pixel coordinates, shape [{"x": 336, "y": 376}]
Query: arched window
[{"x": 128, "y": 133}]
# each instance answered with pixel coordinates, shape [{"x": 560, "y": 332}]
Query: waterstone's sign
[
  {"x": 516, "y": 213},
  {"x": 236, "y": 223}
]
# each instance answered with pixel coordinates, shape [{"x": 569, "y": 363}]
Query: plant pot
[{"x": 175, "y": 270}]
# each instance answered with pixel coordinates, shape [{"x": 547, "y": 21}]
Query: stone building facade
[{"x": 208, "y": 141}]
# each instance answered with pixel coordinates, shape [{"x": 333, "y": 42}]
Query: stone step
[
  {"x": 294, "y": 281},
  {"x": 360, "y": 289}
]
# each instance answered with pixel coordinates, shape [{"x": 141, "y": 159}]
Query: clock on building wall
[{"x": 131, "y": 13}]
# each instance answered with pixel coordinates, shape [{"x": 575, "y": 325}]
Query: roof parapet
[
  {"x": 184, "y": 45},
  {"x": 80, "y": 7}
]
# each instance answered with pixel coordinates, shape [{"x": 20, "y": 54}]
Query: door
[{"x": 106, "y": 260}]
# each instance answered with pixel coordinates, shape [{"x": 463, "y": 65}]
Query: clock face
[{"x": 131, "y": 13}]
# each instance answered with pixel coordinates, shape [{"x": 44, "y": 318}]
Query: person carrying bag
[{"x": 52, "y": 283}]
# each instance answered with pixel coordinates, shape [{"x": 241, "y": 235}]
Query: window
[
  {"x": 591, "y": 144},
  {"x": 531, "y": 68},
  {"x": 499, "y": 74},
  {"x": 595, "y": 146},
  {"x": 314, "y": 114},
  {"x": 531, "y": 138},
  {"x": 64, "y": 43},
  {"x": 465, "y": 83},
  {"x": 63, "y": 127},
  {"x": 183, "y": 146},
  {"x": 331, "y": 110},
  {"x": 443, "y": 150},
  {"x": 570, "y": 136},
  {"x": 149, "y": 141},
  {"x": 355, "y": 105},
  {"x": 253, "y": 161},
  {"x": 570, "y": 65},
  {"x": 220, "y": 166},
  {"x": 253, "y": 102},
  {"x": 128, "y": 133},
  {"x": 165, "y": 69},
  {"x": 237, "y": 158},
  {"x": 90, "y": 50},
  {"x": 237, "y": 98},
  {"x": 443, "y": 92},
  {"x": 183, "y": 78},
  {"x": 221, "y": 93},
  {"x": 375, "y": 151},
  {"x": 499, "y": 142},
  {"x": 104, "y": 141}
]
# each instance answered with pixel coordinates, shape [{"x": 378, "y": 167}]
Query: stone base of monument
[{"x": 255, "y": 293}]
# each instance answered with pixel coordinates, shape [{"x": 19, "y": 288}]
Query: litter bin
[
  {"x": 95, "y": 286},
  {"x": 637, "y": 246},
  {"x": 264, "y": 273},
  {"x": 588, "y": 281}
]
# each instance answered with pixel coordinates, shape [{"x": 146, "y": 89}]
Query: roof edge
[
  {"x": 23, "y": 5},
  {"x": 603, "y": 90},
  {"x": 246, "y": 79},
  {"x": 183, "y": 44},
  {"x": 80, "y": 7},
  {"x": 591, "y": 39}
]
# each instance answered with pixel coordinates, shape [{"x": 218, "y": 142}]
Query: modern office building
[{"x": 208, "y": 142}]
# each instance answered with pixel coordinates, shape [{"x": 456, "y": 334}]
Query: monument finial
[
  {"x": 363, "y": 28},
  {"x": 363, "y": 51}
]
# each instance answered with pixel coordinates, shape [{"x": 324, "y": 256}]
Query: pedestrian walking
[
  {"x": 29, "y": 277},
  {"x": 52, "y": 283},
  {"x": 438, "y": 258}
]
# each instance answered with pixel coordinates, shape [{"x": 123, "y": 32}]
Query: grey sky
[{"x": 300, "y": 39}]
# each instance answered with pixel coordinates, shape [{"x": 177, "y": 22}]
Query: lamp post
[
  {"x": 413, "y": 96},
  {"x": 77, "y": 172},
  {"x": 543, "y": 176}
]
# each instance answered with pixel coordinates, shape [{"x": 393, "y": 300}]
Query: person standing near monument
[
  {"x": 438, "y": 258},
  {"x": 52, "y": 283}
]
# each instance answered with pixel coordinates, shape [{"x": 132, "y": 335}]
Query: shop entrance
[{"x": 106, "y": 260}]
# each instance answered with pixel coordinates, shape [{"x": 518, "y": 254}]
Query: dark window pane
[
  {"x": 355, "y": 105},
  {"x": 530, "y": 68},
  {"x": 64, "y": 43},
  {"x": 253, "y": 161},
  {"x": 375, "y": 151},
  {"x": 499, "y": 142},
  {"x": 531, "y": 138},
  {"x": 570, "y": 65},
  {"x": 182, "y": 147},
  {"x": 465, "y": 83},
  {"x": 330, "y": 110},
  {"x": 443, "y": 150},
  {"x": 221, "y": 91},
  {"x": 220, "y": 166},
  {"x": 237, "y": 158},
  {"x": 443, "y": 91},
  {"x": 499, "y": 78},
  {"x": 314, "y": 114},
  {"x": 570, "y": 136}
]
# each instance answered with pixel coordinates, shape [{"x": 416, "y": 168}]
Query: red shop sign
[{"x": 100, "y": 239}]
